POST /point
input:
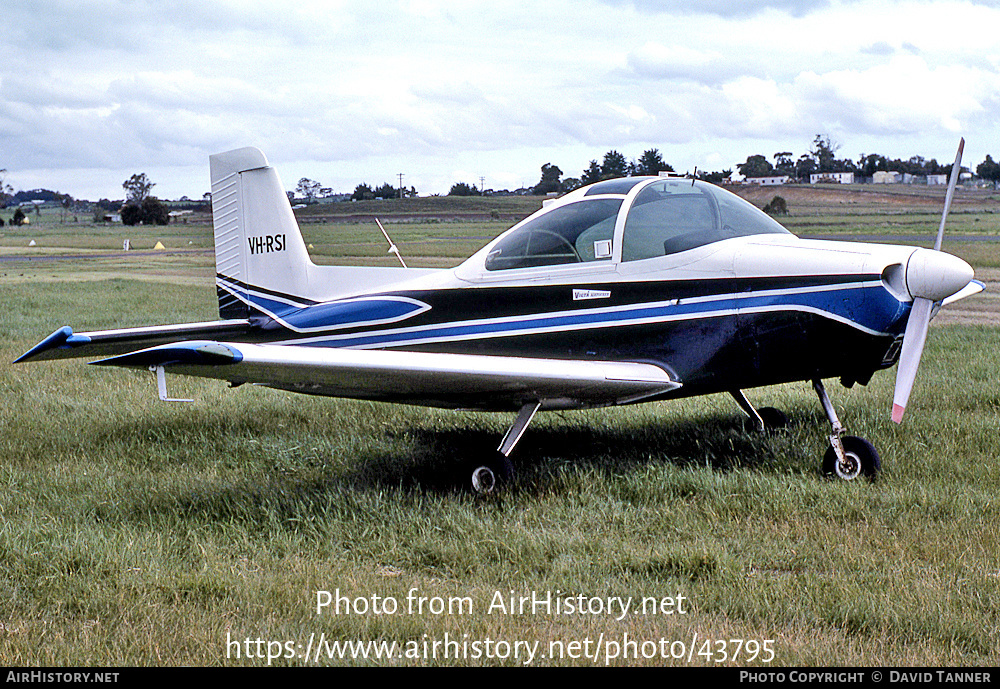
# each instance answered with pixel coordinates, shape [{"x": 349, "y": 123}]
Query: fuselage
[{"x": 738, "y": 313}]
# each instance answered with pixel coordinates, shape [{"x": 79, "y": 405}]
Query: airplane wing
[{"x": 462, "y": 381}]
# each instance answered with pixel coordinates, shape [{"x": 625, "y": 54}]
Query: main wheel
[
  {"x": 490, "y": 476},
  {"x": 774, "y": 419},
  {"x": 860, "y": 459}
]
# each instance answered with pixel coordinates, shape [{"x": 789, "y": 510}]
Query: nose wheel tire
[{"x": 860, "y": 459}]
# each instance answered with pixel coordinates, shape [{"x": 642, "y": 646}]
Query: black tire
[
  {"x": 491, "y": 476},
  {"x": 774, "y": 419},
  {"x": 862, "y": 460}
]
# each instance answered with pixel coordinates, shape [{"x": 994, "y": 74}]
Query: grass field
[{"x": 134, "y": 532}]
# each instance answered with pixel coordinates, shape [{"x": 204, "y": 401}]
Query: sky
[{"x": 444, "y": 91}]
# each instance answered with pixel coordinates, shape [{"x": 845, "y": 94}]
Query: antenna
[{"x": 392, "y": 245}]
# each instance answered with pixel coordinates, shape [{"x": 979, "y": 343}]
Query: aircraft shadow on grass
[{"x": 436, "y": 461}]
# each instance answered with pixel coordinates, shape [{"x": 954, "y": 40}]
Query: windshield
[{"x": 574, "y": 233}]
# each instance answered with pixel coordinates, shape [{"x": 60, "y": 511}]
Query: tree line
[
  {"x": 141, "y": 207},
  {"x": 822, "y": 158}
]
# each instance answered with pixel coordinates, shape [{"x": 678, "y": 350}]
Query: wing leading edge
[{"x": 442, "y": 380}]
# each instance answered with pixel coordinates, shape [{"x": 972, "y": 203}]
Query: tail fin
[
  {"x": 261, "y": 262},
  {"x": 258, "y": 245}
]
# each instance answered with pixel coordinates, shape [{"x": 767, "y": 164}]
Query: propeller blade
[
  {"x": 956, "y": 169},
  {"x": 909, "y": 357},
  {"x": 933, "y": 276}
]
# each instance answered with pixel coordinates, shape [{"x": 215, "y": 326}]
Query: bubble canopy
[{"x": 646, "y": 216}]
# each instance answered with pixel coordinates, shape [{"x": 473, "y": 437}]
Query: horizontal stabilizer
[
  {"x": 65, "y": 344},
  {"x": 443, "y": 380}
]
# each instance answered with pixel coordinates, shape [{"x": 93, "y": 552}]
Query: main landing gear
[
  {"x": 491, "y": 475},
  {"x": 766, "y": 418}
]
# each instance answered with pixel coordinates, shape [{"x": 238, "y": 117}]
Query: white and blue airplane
[{"x": 628, "y": 290}]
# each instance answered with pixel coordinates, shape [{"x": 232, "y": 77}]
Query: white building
[
  {"x": 832, "y": 177},
  {"x": 767, "y": 181},
  {"x": 886, "y": 178}
]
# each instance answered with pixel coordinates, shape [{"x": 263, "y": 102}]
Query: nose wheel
[
  {"x": 848, "y": 456},
  {"x": 860, "y": 459}
]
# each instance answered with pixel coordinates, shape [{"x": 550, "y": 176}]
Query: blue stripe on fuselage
[
  {"x": 863, "y": 305},
  {"x": 333, "y": 315}
]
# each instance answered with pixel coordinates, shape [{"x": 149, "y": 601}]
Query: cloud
[
  {"x": 723, "y": 8},
  {"x": 893, "y": 98},
  {"x": 121, "y": 84},
  {"x": 657, "y": 61},
  {"x": 880, "y": 48}
]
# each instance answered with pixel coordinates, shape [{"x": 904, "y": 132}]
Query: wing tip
[{"x": 63, "y": 338}]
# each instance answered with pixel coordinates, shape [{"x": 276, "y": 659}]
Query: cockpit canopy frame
[{"x": 628, "y": 219}]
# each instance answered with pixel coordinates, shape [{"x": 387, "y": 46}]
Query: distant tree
[
  {"x": 362, "y": 192},
  {"x": 651, "y": 163},
  {"x": 824, "y": 153},
  {"x": 154, "y": 212},
  {"x": 386, "y": 191},
  {"x": 137, "y": 188},
  {"x": 777, "y": 206},
  {"x": 933, "y": 167},
  {"x": 463, "y": 189},
  {"x": 871, "y": 163},
  {"x": 614, "y": 165},
  {"x": 591, "y": 174},
  {"x": 151, "y": 211},
  {"x": 6, "y": 191},
  {"x": 783, "y": 163},
  {"x": 805, "y": 166},
  {"x": 989, "y": 170},
  {"x": 917, "y": 165},
  {"x": 550, "y": 180},
  {"x": 715, "y": 177},
  {"x": 65, "y": 206},
  {"x": 131, "y": 215},
  {"x": 755, "y": 166},
  {"x": 308, "y": 188},
  {"x": 571, "y": 183}
]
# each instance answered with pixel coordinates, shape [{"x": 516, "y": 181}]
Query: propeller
[{"x": 930, "y": 276}]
